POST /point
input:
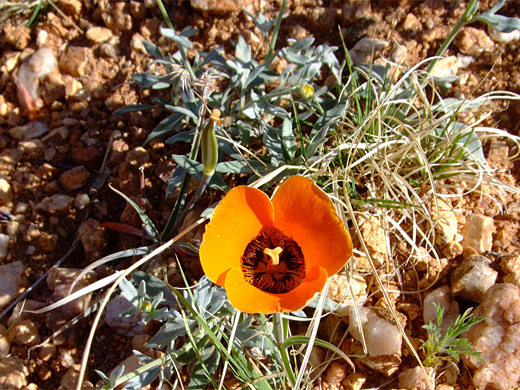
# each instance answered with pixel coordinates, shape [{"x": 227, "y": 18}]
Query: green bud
[
  {"x": 208, "y": 144},
  {"x": 307, "y": 91}
]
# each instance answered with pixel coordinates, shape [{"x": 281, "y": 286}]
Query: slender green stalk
[
  {"x": 280, "y": 331},
  {"x": 467, "y": 17},
  {"x": 270, "y": 56}
]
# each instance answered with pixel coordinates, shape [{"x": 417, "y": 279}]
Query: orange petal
[
  {"x": 237, "y": 219},
  {"x": 250, "y": 299},
  {"x": 305, "y": 213}
]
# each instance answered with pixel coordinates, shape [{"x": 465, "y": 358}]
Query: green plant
[{"x": 442, "y": 347}]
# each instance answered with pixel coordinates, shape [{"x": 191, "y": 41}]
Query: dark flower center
[{"x": 273, "y": 262}]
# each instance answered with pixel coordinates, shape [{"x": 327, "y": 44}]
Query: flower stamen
[
  {"x": 274, "y": 254},
  {"x": 273, "y": 262}
]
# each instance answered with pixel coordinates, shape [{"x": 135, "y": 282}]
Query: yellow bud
[{"x": 307, "y": 91}]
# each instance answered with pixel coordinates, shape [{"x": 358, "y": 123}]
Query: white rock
[
  {"x": 441, "y": 297},
  {"x": 445, "y": 221},
  {"x": 28, "y": 131},
  {"x": 478, "y": 232},
  {"x": 56, "y": 204},
  {"x": 473, "y": 41},
  {"x": 4, "y": 242},
  {"x": 81, "y": 201},
  {"x": 6, "y": 193},
  {"x": 365, "y": 49},
  {"x": 381, "y": 337},
  {"x": 465, "y": 61},
  {"x": 415, "y": 378},
  {"x": 128, "y": 325},
  {"x": 472, "y": 278},
  {"x": 444, "y": 67},
  {"x": 41, "y": 38},
  {"x": 24, "y": 332},
  {"x": 98, "y": 34},
  {"x": 497, "y": 337},
  {"x": 12, "y": 282},
  {"x": 502, "y": 37}
]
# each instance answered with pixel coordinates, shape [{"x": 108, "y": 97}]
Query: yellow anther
[{"x": 274, "y": 254}]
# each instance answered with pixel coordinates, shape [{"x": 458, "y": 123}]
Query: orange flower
[{"x": 274, "y": 256}]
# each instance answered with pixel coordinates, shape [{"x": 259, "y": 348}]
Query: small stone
[
  {"x": 108, "y": 50},
  {"x": 355, "y": 381},
  {"x": 9, "y": 63},
  {"x": 4, "y": 343},
  {"x": 473, "y": 41},
  {"x": 366, "y": 49},
  {"x": 41, "y": 38},
  {"x": 411, "y": 23},
  {"x": 375, "y": 239},
  {"x": 220, "y": 6},
  {"x": 24, "y": 332},
  {"x": 94, "y": 239},
  {"x": 513, "y": 278},
  {"x": 56, "y": 204},
  {"x": 72, "y": 86},
  {"x": 386, "y": 365},
  {"x": 137, "y": 43},
  {"x": 139, "y": 342},
  {"x": 478, "y": 232},
  {"x": 54, "y": 88},
  {"x": 415, "y": 378},
  {"x": 70, "y": 380},
  {"x": 445, "y": 67},
  {"x": 497, "y": 337},
  {"x": 127, "y": 326},
  {"x": 510, "y": 263},
  {"x": 74, "y": 178},
  {"x": 60, "y": 280},
  {"x": 13, "y": 373},
  {"x": 81, "y": 201},
  {"x": 6, "y": 193},
  {"x": 75, "y": 60},
  {"x": 347, "y": 291},
  {"x": 442, "y": 298},
  {"x": 472, "y": 278},
  {"x": 19, "y": 37},
  {"x": 336, "y": 372},
  {"x": 138, "y": 156},
  {"x": 118, "y": 17},
  {"x": 47, "y": 352},
  {"x": 98, "y": 34},
  {"x": 71, "y": 7},
  {"x": 137, "y": 9},
  {"x": 47, "y": 242},
  {"x": 399, "y": 54},
  {"x": 452, "y": 250},
  {"x": 503, "y": 37},
  {"x": 88, "y": 155},
  {"x": 381, "y": 337},
  {"x": 12, "y": 282},
  {"x": 29, "y": 131},
  {"x": 4, "y": 243},
  {"x": 445, "y": 221}
]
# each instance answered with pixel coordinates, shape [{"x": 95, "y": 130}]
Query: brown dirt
[{"x": 36, "y": 174}]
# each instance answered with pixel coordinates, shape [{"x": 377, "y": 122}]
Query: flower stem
[{"x": 281, "y": 330}]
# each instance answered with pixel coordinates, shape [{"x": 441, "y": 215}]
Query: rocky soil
[{"x": 58, "y": 130}]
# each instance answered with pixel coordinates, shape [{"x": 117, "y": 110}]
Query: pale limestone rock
[
  {"x": 70, "y": 380},
  {"x": 128, "y": 326},
  {"x": 375, "y": 239},
  {"x": 355, "y": 381},
  {"x": 343, "y": 287},
  {"x": 99, "y": 34},
  {"x": 497, "y": 337},
  {"x": 336, "y": 372},
  {"x": 448, "y": 66},
  {"x": 24, "y": 332},
  {"x": 478, "y": 232},
  {"x": 472, "y": 278},
  {"x": 416, "y": 378},
  {"x": 12, "y": 282},
  {"x": 381, "y": 337},
  {"x": 28, "y": 131},
  {"x": 445, "y": 221},
  {"x": 366, "y": 49},
  {"x": 441, "y": 297},
  {"x": 13, "y": 373},
  {"x": 56, "y": 204},
  {"x": 473, "y": 42}
]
